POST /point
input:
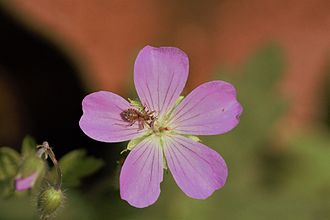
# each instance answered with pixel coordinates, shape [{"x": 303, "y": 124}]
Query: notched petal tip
[
  {"x": 197, "y": 169},
  {"x": 174, "y": 51},
  {"x": 142, "y": 173},
  {"x": 160, "y": 75},
  {"x": 212, "y": 108}
]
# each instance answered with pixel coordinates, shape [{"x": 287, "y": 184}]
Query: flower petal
[
  {"x": 160, "y": 75},
  {"x": 22, "y": 184},
  {"x": 197, "y": 169},
  {"x": 142, "y": 174},
  {"x": 101, "y": 119},
  {"x": 211, "y": 108}
]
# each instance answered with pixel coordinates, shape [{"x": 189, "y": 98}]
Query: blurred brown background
[{"x": 104, "y": 36}]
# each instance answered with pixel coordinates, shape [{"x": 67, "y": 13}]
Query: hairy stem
[{"x": 46, "y": 151}]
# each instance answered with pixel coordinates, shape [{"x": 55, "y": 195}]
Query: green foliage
[
  {"x": 9, "y": 163},
  {"x": 76, "y": 165},
  {"x": 263, "y": 70},
  {"x": 28, "y": 146},
  {"x": 20, "y": 207},
  {"x": 13, "y": 164},
  {"x": 311, "y": 163}
]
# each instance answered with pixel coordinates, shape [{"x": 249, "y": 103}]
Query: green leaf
[
  {"x": 28, "y": 146},
  {"x": 9, "y": 163},
  {"x": 76, "y": 165},
  {"x": 264, "y": 67},
  {"x": 256, "y": 84}
]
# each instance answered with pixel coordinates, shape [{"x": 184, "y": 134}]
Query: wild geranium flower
[{"x": 162, "y": 126}]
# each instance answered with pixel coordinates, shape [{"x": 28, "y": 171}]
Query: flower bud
[
  {"x": 30, "y": 170},
  {"x": 49, "y": 200}
]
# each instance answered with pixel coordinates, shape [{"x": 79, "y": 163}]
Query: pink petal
[
  {"x": 160, "y": 75},
  {"x": 142, "y": 174},
  {"x": 197, "y": 169},
  {"x": 22, "y": 184},
  {"x": 211, "y": 108},
  {"x": 101, "y": 118}
]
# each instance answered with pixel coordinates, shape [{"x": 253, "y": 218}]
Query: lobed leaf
[
  {"x": 76, "y": 165},
  {"x": 9, "y": 163}
]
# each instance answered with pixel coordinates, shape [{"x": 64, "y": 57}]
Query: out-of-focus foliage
[
  {"x": 76, "y": 165},
  {"x": 9, "y": 163},
  {"x": 28, "y": 146},
  {"x": 24, "y": 207}
]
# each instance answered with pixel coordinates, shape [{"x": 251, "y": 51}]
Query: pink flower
[
  {"x": 22, "y": 184},
  {"x": 31, "y": 169},
  {"x": 162, "y": 127}
]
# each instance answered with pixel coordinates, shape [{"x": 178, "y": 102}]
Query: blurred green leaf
[
  {"x": 28, "y": 146},
  {"x": 23, "y": 207},
  {"x": 263, "y": 68},
  {"x": 9, "y": 163},
  {"x": 76, "y": 165},
  {"x": 311, "y": 158},
  {"x": 255, "y": 82}
]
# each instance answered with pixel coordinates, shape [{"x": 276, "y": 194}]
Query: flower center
[
  {"x": 159, "y": 127},
  {"x": 149, "y": 118}
]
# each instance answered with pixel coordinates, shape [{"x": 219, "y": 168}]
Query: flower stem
[{"x": 46, "y": 151}]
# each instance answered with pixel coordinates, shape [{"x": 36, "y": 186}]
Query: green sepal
[
  {"x": 28, "y": 146},
  {"x": 49, "y": 200},
  {"x": 165, "y": 167},
  {"x": 136, "y": 103},
  {"x": 177, "y": 102},
  {"x": 132, "y": 143},
  {"x": 161, "y": 140},
  {"x": 194, "y": 138}
]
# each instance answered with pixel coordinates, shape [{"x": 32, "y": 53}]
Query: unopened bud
[
  {"x": 49, "y": 200},
  {"x": 30, "y": 170}
]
